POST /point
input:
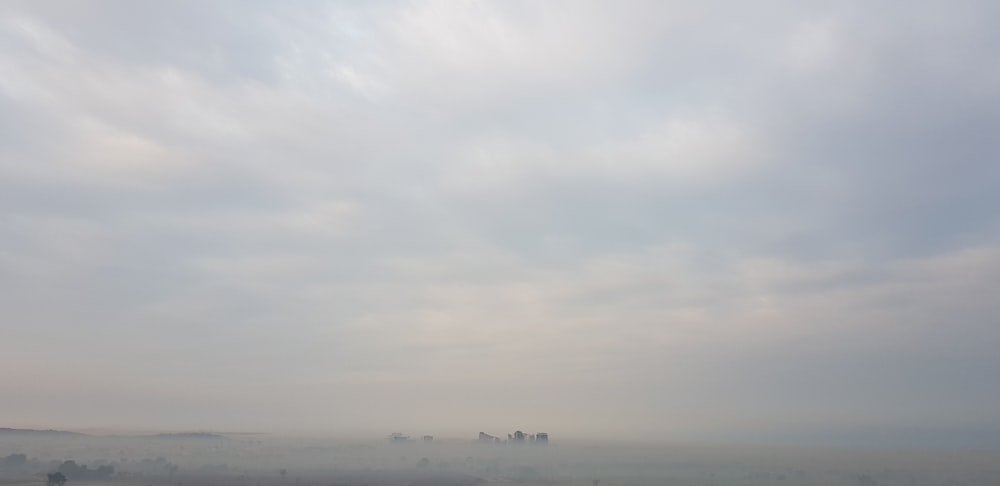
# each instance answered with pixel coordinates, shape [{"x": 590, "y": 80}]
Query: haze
[{"x": 753, "y": 222}]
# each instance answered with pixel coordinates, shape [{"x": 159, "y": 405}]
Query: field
[{"x": 286, "y": 461}]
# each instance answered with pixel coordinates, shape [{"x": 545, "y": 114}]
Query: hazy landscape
[
  {"x": 484, "y": 242},
  {"x": 266, "y": 460}
]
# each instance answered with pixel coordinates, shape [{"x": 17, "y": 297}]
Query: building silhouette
[
  {"x": 485, "y": 438},
  {"x": 398, "y": 438},
  {"x": 517, "y": 438}
]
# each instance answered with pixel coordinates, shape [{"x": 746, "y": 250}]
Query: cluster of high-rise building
[
  {"x": 517, "y": 438},
  {"x": 399, "y": 438}
]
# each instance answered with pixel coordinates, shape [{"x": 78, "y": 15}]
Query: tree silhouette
[{"x": 56, "y": 479}]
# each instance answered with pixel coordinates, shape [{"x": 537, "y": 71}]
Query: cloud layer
[{"x": 711, "y": 220}]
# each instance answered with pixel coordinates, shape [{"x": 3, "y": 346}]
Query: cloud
[{"x": 732, "y": 215}]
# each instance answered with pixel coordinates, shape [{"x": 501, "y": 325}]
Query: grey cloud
[{"x": 735, "y": 214}]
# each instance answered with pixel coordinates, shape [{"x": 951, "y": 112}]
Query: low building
[{"x": 398, "y": 438}]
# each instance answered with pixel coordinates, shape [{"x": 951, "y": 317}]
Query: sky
[{"x": 680, "y": 220}]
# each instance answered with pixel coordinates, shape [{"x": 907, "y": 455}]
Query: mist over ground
[
  {"x": 648, "y": 228},
  {"x": 269, "y": 460}
]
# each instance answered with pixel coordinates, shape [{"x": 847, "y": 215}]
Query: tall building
[{"x": 542, "y": 438}]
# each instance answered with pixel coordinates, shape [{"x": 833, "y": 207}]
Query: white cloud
[
  {"x": 685, "y": 150},
  {"x": 675, "y": 203},
  {"x": 816, "y": 45}
]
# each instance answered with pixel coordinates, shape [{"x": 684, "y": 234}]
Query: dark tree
[
  {"x": 70, "y": 469},
  {"x": 104, "y": 472},
  {"x": 56, "y": 479}
]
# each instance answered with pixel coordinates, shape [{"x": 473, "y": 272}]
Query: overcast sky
[{"x": 694, "y": 219}]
